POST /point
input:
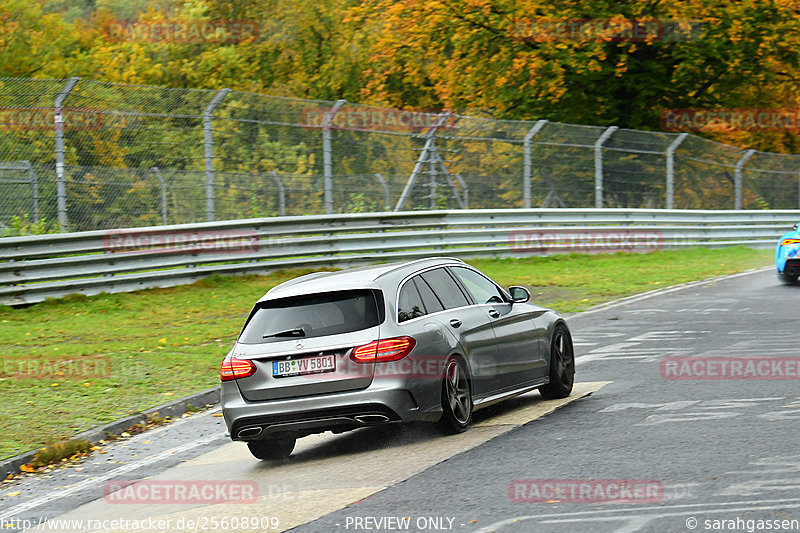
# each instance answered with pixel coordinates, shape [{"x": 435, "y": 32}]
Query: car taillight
[
  {"x": 233, "y": 368},
  {"x": 382, "y": 351},
  {"x": 790, "y": 241}
]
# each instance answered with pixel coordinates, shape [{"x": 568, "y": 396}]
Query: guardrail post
[
  {"x": 526, "y": 169},
  {"x": 61, "y": 183},
  {"x": 157, "y": 172},
  {"x": 327, "y": 165},
  {"x": 671, "y": 169},
  {"x": 598, "y": 165},
  {"x": 281, "y": 193},
  {"x": 208, "y": 149},
  {"x": 737, "y": 201},
  {"x": 382, "y": 181}
]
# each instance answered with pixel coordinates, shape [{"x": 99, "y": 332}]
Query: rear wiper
[{"x": 296, "y": 332}]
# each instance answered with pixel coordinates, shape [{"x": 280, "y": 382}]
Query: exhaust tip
[
  {"x": 249, "y": 432},
  {"x": 371, "y": 419}
]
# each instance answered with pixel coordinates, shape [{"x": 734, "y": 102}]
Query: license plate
[{"x": 307, "y": 365}]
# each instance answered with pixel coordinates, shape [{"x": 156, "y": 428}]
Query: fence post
[
  {"x": 527, "y": 170},
  {"x": 671, "y": 169},
  {"x": 430, "y": 142},
  {"x": 382, "y": 181},
  {"x": 598, "y": 165},
  {"x": 737, "y": 201},
  {"x": 157, "y": 172},
  {"x": 281, "y": 193},
  {"x": 208, "y": 149},
  {"x": 61, "y": 183},
  {"x": 327, "y": 165},
  {"x": 465, "y": 189}
]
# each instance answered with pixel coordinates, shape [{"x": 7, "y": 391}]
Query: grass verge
[{"x": 78, "y": 362}]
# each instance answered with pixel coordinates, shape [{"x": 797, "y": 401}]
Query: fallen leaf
[{"x": 15, "y": 493}]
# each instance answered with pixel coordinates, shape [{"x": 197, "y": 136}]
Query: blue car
[{"x": 787, "y": 256}]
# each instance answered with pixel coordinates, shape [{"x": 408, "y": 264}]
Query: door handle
[
  {"x": 493, "y": 313},
  {"x": 455, "y": 322}
]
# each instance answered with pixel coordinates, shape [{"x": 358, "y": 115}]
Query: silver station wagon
[{"x": 428, "y": 340}]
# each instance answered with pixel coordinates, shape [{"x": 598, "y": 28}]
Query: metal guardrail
[{"x": 49, "y": 266}]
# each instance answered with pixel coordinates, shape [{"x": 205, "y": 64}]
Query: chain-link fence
[{"x": 86, "y": 155}]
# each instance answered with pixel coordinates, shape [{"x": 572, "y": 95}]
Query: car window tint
[
  {"x": 317, "y": 315},
  {"x": 432, "y": 303},
  {"x": 483, "y": 290},
  {"x": 409, "y": 303},
  {"x": 445, "y": 288}
]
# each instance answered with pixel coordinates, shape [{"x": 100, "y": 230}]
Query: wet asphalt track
[{"x": 718, "y": 450}]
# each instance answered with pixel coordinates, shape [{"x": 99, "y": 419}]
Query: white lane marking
[
  {"x": 669, "y": 335},
  {"x": 661, "y": 512},
  {"x": 129, "y": 467},
  {"x": 658, "y": 292},
  {"x": 166, "y": 427}
]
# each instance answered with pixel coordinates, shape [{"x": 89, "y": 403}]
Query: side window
[
  {"x": 432, "y": 303},
  {"x": 409, "y": 303},
  {"x": 481, "y": 288},
  {"x": 445, "y": 288}
]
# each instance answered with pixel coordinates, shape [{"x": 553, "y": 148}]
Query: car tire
[
  {"x": 787, "y": 279},
  {"x": 562, "y": 365},
  {"x": 456, "y": 397},
  {"x": 272, "y": 449}
]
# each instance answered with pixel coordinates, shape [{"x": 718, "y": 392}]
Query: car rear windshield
[{"x": 315, "y": 315}]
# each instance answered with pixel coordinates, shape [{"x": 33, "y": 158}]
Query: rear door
[
  {"x": 301, "y": 346},
  {"x": 467, "y": 323}
]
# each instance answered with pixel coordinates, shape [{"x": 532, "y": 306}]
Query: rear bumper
[
  {"x": 792, "y": 267},
  {"x": 342, "y": 411}
]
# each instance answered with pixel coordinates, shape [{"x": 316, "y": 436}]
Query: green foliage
[{"x": 20, "y": 225}]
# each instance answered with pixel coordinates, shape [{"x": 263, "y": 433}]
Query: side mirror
[{"x": 519, "y": 294}]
